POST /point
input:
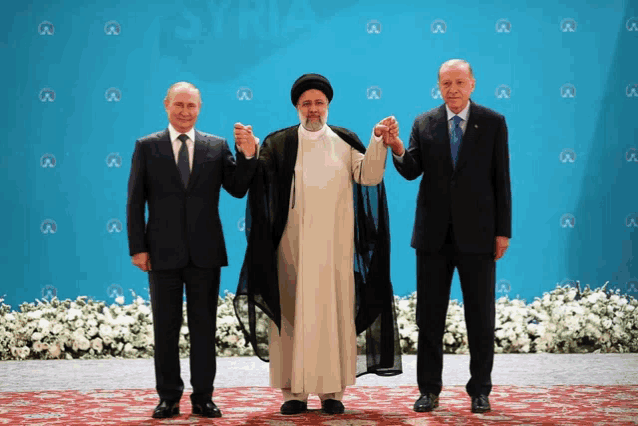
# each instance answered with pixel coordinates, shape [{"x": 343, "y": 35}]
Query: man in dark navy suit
[
  {"x": 178, "y": 172},
  {"x": 463, "y": 221}
]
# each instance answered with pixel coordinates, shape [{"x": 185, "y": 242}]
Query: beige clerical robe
[{"x": 316, "y": 351}]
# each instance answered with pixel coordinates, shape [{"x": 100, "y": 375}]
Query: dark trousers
[
  {"x": 202, "y": 292},
  {"x": 434, "y": 279}
]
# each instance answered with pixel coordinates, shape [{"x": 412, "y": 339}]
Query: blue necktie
[
  {"x": 182, "y": 160},
  {"x": 456, "y": 137}
]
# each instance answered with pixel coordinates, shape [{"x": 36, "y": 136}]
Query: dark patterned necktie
[
  {"x": 457, "y": 136},
  {"x": 182, "y": 160}
]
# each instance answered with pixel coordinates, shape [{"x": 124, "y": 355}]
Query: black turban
[{"x": 307, "y": 82}]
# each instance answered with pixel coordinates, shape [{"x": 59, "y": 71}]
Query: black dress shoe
[
  {"x": 166, "y": 409},
  {"x": 206, "y": 409},
  {"x": 480, "y": 404},
  {"x": 294, "y": 407},
  {"x": 332, "y": 406},
  {"x": 425, "y": 403}
]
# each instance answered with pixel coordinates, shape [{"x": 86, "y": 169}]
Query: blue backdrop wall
[{"x": 83, "y": 81}]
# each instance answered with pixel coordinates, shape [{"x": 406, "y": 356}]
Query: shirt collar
[
  {"x": 173, "y": 134},
  {"x": 463, "y": 114},
  {"x": 307, "y": 134}
]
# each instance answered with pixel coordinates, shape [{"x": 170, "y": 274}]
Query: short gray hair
[
  {"x": 179, "y": 85},
  {"x": 455, "y": 62}
]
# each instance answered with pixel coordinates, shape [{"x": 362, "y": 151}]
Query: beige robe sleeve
[{"x": 368, "y": 169}]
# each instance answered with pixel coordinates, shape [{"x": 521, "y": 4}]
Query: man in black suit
[
  {"x": 178, "y": 172},
  {"x": 463, "y": 220}
]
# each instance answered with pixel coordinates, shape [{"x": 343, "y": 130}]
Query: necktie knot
[
  {"x": 457, "y": 120},
  {"x": 183, "y": 137}
]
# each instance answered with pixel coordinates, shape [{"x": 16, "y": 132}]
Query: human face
[
  {"x": 456, "y": 85},
  {"x": 312, "y": 107},
  {"x": 182, "y": 107}
]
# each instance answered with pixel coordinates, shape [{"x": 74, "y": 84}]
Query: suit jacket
[
  {"x": 475, "y": 196},
  {"x": 183, "y": 223}
]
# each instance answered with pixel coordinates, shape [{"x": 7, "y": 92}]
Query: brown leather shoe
[
  {"x": 166, "y": 409},
  {"x": 425, "y": 403}
]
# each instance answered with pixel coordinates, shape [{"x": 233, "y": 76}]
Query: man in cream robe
[{"x": 314, "y": 350}]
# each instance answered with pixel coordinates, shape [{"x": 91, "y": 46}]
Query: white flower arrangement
[{"x": 565, "y": 320}]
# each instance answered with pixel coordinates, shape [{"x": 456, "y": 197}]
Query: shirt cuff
[
  {"x": 399, "y": 158},
  {"x": 376, "y": 138}
]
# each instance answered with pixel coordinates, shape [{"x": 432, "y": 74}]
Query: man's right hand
[{"x": 142, "y": 261}]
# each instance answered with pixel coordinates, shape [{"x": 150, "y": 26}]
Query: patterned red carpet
[{"x": 365, "y": 406}]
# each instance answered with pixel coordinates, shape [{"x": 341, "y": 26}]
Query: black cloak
[{"x": 257, "y": 298}]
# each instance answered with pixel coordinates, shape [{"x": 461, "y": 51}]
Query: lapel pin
[{"x": 476, "y": 126}]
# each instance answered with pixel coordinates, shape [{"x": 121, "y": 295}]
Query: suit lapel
[
  {"x": 442, "y": 134},
  {"x": 199, "y": 155},
  {"x": 469, "y": 137},
  {"x": 165, "y": 149}
]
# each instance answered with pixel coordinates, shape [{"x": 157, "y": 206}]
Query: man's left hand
[
  {"x": 245, "y": 139},
  {"x": 502, "y": 243}
]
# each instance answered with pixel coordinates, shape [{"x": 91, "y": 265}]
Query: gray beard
[{"x": 312, "y": 126}]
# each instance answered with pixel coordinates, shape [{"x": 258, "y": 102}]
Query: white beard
[{"x": 312, "y": 126}]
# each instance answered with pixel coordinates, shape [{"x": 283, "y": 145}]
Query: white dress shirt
[
  {"x": 177, "y": 144},
  {"x": 464, "y": 114}
]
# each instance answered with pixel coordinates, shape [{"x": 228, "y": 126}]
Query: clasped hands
[
  {"x": 388, "y": 129},
  {"x": 245, "y": 139}
]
